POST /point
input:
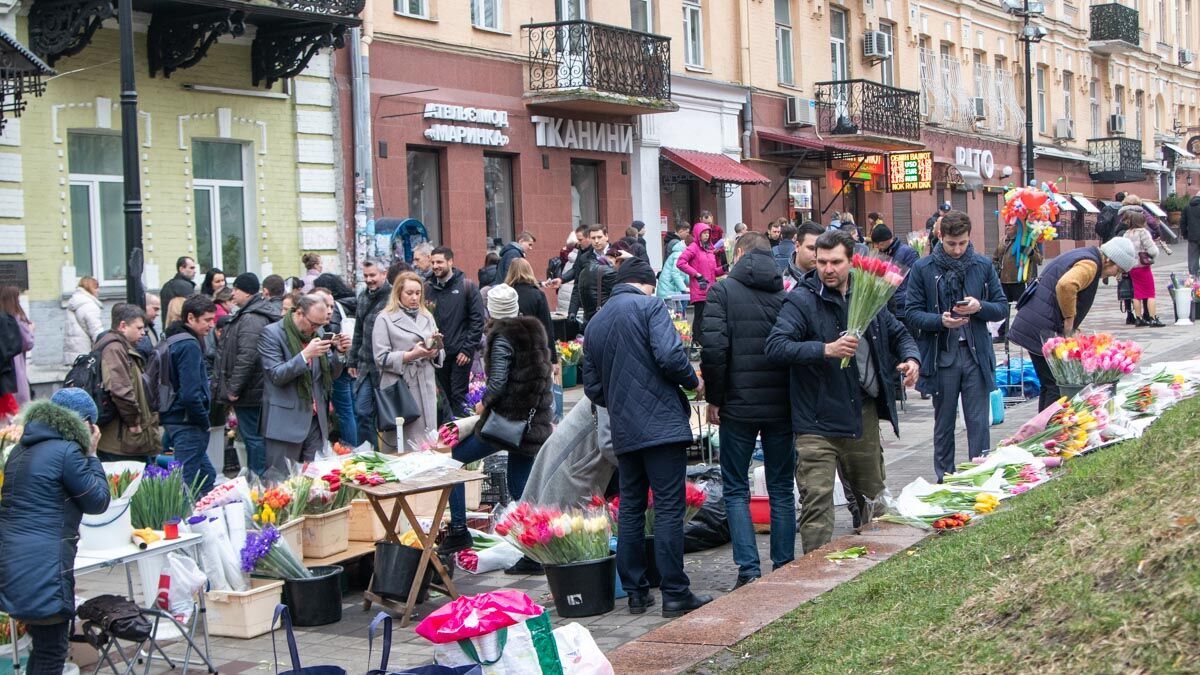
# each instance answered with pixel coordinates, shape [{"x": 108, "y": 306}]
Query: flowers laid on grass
[
  {"x": 554, "y": 536},
  {"x": 951, "y": 522},
  {"x": 1090, "y": 359},
  {"x": 570, "y": 351},
  {"x": 873, "y": 281},
  {"x": 1140, "y": 401},
  {"x": 161, "y": 496},
  {"x": 267, "y": 553}
]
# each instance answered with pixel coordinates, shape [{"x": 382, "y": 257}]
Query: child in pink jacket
[{"x": 699, "y": 262}]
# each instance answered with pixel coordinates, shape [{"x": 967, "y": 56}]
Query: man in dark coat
[
  {"x": 457, "y": 309},
  {"x": 1190, "y": 231},
  {"x": 361, "y": 359},
  {"x": 238, "y": 373},
  {"x": 185, "y": 420},
  {"x": 1107, "y": 221},
  {"x": 52, "y": 479},
  {"x": 515, "y": 249},
  {"x": 1058, "y": 301},
  {"x": 952, "y": 295},
  {"x": 900, "y": 253},
  {"x": 748, "y": 396},
  {"x": 182, "y": 284},
  {"x": 836, "y": 411},
  {"x": 785, "y": 249},
  {"x": 634, "y": 240},
  {"x": 634, "y": 365}
]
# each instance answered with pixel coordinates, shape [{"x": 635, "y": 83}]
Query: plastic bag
[
  {"x": 579, "y": 653},
  {"x": 178, "y": 584},
  {"x": 709, "y": 527},
  {"x": 474, "y": 615},
  {"x": 525, "y": 648},
  {"x": 489, "y": 553}
]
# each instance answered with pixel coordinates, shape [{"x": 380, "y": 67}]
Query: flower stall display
[
  {"x": 1034, "y": 210},
  {"x": 873, "y": 281},
  {"x": 476, "y": 389},
  {"x": 1090, "y": 359},
  {"x": 162, "y": 496},
  {"x": 920, "y": 242},
  {"x": 119, "y": 483},
  {"x": 694, "y": 496},
  {"x": 266, "y": 552},
  {"x": 684, "y": 328},
  {"x": 569, "y": 355},
  {"x": 554, "y": 536}
]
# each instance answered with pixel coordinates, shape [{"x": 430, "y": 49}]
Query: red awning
[
  {"x": 713, "y": 167},
  {"x": 818, "y": 144}
]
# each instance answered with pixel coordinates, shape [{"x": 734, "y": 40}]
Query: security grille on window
[
  {"x": 783, "y": 42},
  {"x": 97, "y": 208},
  {"x": 219, "y": 192},
  {"x": 693, "y": 33},
  {"x": 486, "y": 14}
]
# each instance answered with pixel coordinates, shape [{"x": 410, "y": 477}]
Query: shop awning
[
  {"x": 713, "y": 167},
  {"x": 1179, "y": 150},
  {"x": 835, "y": 149},
  {"x": 1060, "y": 153},
  {"x": 1088, "y": 206},
  {"x": 1157, "y": 167},
  {"x": 1064, "y": 204},
  {"x": 1155, "y": 209}
]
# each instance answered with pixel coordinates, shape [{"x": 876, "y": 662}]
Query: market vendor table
[{"x": 401, "y": 491}]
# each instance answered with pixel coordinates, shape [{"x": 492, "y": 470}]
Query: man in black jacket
[
  {"x": 181, "y": 285},
  {"x": 361, "y": 360},
  {"x": 1190, "y": 231},
  {"x": 238, "y": 373},
  {"x": 515, "y": 249},
  {"x": 747, "y": 396},
  {"x": 585, "y": 256},
  {"x": 457, "y": 309},
  {"x": 634, "y": 240},
  {"x": 836, "y": 411}
]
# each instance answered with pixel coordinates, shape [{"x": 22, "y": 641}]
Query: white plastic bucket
[{"x": 107, "y": 530}]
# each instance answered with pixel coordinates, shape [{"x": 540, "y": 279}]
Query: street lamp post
[
  {"x": 1030, "y": 33},
  {"x": 135, "y": 291}
]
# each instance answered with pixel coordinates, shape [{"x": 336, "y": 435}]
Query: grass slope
[{"x": 1095, "y": 572}]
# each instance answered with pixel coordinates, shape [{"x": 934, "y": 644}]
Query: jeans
[
  {"x": 249, "y": 419},
  {"x": 342, "y": 399},
  {"x": 958, "y": 377},
  {"x": 737, "y": 446},
  {"x": 364, "y": 408},
  {"x": 662, "y": 469},
  {"x": 191, "y": 451},
  {"x": 453, "y": 380},
  {"x": 473, "y": 449},
  {"x": 50, "y": 646},
  {"x": 1046, "y": 379}
]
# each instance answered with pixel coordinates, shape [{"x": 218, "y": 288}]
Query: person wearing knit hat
[
  {"x": 247, "y": 282},
  {"x": 502, "y": 302},
  {"x": 1058, "y": 301},
  {"x": 635, "y": 271},
  {"x": 77, "y": 401}
]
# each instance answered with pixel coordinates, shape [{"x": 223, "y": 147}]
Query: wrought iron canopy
[
  {"x": 1114, "y": 28},
  {"x": 289, "y": 32},
  {"x": 21, "y": 73},
  {"x": 1116, "y": 160},
  {"x": 873, "y": 111}
]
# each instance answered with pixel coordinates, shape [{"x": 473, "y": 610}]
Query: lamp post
[
  {"x": 135, "y": 291},
  {"x": 1030, "y": 33}
]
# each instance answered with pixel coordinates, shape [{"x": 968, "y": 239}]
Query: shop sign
[
  {"x": 909, "y": 171},
  {"x": 554, "y": 132},
  {"x": 1193, "y": 145},
  {"x": 872, "y": 164},
  {"x": 800, "y": 190},
  {"x": 454, "y": 133},
  {"x": 981, "y": 160}
]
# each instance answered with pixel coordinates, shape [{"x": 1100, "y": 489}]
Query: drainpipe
[
  {"x": 747, "y": 124},
  {"x": 364, "y": 180},
  {"x": 744, "y": 63}
]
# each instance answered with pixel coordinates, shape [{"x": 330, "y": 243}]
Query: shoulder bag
[
  {"x": 392, "y": 401},
  {"x": 504, "y": 433}
]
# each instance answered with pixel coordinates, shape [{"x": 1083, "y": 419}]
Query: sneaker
[
  {"x": 1155, "y": 323},
  {"x": 742, "y": 581},
  {"x": 676, "y": 608},
  {"x": 456, "y": 539},
  {"x": 526, "y": 566}
]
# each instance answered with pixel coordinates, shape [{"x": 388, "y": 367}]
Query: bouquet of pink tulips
[{"x": 873, "y": 281}]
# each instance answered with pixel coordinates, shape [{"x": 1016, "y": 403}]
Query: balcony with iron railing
[
  {"x": 876, "y": 115},
  {"x": 598, "y": 68},
  {"x": 1114, "y": 29},
  {"x": 1116, "y": 160}
]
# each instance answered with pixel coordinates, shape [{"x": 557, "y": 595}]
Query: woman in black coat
[
  {"x": 518, "y": 388},
  {"x": 531, "y": 301}
]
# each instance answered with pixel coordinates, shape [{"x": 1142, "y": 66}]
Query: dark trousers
[
  {"x": 249, "y": 418},
  {"x": 191, "y": 451},
  {"x": 1046, "y": 379},
  {"x": 452, "y": 381},
  {"x": 779, "y": 459},
  {"x": 958, "y": 377},
  {"x": 342, "y": 398},
  {"x": 662, "y": 469},
  {"x": 364, "y": 408},
  {"x": 473, "y": 449},
  {"x": 697, "y": 321},
  {"x": 50, "y": 646}
]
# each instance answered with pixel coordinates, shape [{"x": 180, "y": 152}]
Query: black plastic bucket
[
  {"x": 583, "y": 588},
  {"x": 395, "y": 569},
  {"x": 316, "y": 601}
]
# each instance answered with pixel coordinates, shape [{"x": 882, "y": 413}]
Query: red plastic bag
[{"x": 474, "y": 615}]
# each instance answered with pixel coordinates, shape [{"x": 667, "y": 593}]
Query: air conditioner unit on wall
[
  {"x": 1186, "y": 57},
  {"x": 877, "y": 45},
  {"x": 1116, "y": 124},
  {"x": 1064, "y": 130},
  {"x": 801, "y": 112}
]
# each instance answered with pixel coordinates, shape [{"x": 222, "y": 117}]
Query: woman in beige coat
[{"x": 407, "y": 344}]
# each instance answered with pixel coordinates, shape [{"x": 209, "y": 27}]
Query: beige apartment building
[{"x": 488, "y": 117}]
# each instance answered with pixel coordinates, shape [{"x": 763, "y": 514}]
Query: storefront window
[
  {"x": 585, "y": 193},
  {"x": 97, "y": 216},
  {"x": 498, "y": 197},
  {"x": 425, "y": 191}
]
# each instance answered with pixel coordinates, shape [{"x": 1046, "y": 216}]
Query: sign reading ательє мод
[{"x": 454, "y": 133}]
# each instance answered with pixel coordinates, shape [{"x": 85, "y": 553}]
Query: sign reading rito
[{"x": 907, "y": 171}]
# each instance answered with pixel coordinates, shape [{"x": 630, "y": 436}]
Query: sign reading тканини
[
  {"x": 554, "y": 132},
  {"x": 454, "y": 133},
  {"x": 907, "y": 171}
]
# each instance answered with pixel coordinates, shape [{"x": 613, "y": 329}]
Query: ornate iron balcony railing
[
  {"x": 1114, "y": 21},
  {"x": 863, "y": 107},
  {"x": 569, "y": 55},
  {"x": 1116, "y": 159}
]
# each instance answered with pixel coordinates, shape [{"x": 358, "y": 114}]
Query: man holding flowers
[
  {"x": 952, "y": 294},
  {"x": 836, "y": 410}
]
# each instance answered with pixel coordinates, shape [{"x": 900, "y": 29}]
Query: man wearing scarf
[
  {"x": 300, "y": 362},
  {"x": 952, "y": 295}
]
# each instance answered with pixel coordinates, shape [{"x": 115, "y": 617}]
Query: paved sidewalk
[{"x": 712, "y": 571}]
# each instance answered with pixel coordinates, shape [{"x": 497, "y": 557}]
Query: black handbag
[
  {"x": 503, "y": 433},
  {"x": 116, "y": 616},
  {"x": 1125, "y": 288},
  {"x": 392, "y": 401}
]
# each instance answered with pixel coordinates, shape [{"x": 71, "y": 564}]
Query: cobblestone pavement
[{"x": 712, "y": 571}]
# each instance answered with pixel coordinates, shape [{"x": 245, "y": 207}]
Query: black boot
[
  {"x": 1155, "y": 323},
  {"x": 526, "y": 566},
  {"x": 1130, "y": 319},
  {"x": 676, "y": 608},
  {"x": 640, "y": 602},
  {"x": 456, "y": 539}
]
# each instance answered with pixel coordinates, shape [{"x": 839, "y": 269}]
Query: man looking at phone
[
  {"x": 457, "y": 309},
  {"x": 952, "y": 295},
  {"x": 300, "y": 362}
]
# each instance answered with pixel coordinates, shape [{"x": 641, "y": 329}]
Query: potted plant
[{"x": 1174, "y": 205}]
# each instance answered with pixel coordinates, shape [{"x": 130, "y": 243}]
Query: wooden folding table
[{"x": 401, "y": 491}]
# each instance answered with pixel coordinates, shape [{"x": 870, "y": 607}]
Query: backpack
[
  {"x": 86, "y": 374},
  {"x": 1106, "y": 224},
  {"x": 156, "y": 379},
  {"x": 116, "y": 616}
]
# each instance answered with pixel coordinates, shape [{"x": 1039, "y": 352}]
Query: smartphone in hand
[{"x": 961, "y": 304}]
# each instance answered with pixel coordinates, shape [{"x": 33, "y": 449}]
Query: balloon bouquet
[{"x": 1034, "y": 210}]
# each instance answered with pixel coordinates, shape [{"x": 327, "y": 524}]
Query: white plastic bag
[
  {"x": 178, "y": 584},
  {"x": 501, "y": 555},
  {"x": 518, "y": 655},
  {"x": 579, "y": 653}
]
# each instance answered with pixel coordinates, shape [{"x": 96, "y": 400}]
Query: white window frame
[
  {"x": 887, "y": 67},
  {"x": 839, "y": 63},
  {"x": 213, "y": 187},
  {"x": 945, "y": 63},
  {"x": 477, "y": 14},
  {"x": 1039, "y": 80},
  {"x": 564, "y": 10},
  {"x": 92, "y": 182},
  {"x": 1068, "y": 95},
  {"x": 693, "y": 22},
  {"x": 1094, "y": 105},
  {"x": 402, "y": 8},
  {"x": 785, "y": 57},
  {"x": 1139, "y": 121},
  {"x": 649, "y": 7}
]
